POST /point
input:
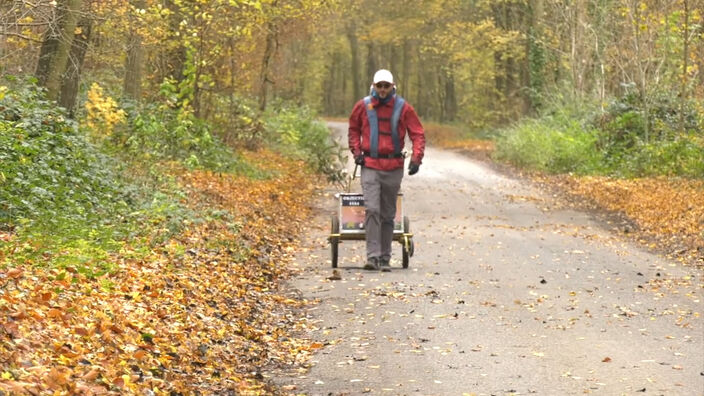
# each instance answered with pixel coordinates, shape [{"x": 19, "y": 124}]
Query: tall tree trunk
[
  {"x": 499, "y": 79},
  {"x": 197, "y": 91},
  {"x": 54, "y": 56},
  {"x": 354, "y": 52},
  {"x": 405, "y": 72},
  {"x": 450, "y": 104},
  {"x": 429, "y": 93},
  {"x": 501, "y": 72},
  {"x": 46, "y": 54},
  {"x": 393, "y": 61},
  {"x": 174, "y": 57},
  {"x": 338, "y": 79},
  {"x": 229, "y": 133},
  {"x": 440, "y": 99},
  {"x": 642, "y": 67},
  {"x": 700, "y": 57},
  {"x": 511, "y": 88},
  {"x": 132, "y": 85},
  {"x": 371, "y": 63},
  {"x": 420, "y": 105},
  {"x": 578, "y": 52},
  {"x": 685, "y": 57},
  {"x": 269, "y": 51},
  {"x": 512, "y": 19},
  {"x": 600, "y": 79},
  {"x": 533, "y": 74},
  {"x": 3, "y": 41},
  {"x": 699, "y": 33},
  {"x": 72, "y": 77}
]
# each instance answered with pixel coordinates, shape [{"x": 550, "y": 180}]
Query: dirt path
[{"x": 506, "y": 294}]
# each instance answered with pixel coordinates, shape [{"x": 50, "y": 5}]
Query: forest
[
  {"x": 131, "y": 130},
  {"x": 482, "y": 63}
]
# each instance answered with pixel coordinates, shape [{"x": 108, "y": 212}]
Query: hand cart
[{"x": 348, "y": 224}]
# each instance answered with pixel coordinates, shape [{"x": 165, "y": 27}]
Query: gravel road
[{"x": 507, "y": 293}]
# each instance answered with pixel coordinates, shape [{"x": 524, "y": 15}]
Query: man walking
[{"x": 377, "y": 132}]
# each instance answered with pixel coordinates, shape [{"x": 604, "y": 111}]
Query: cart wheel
[
  {"x": 407, "y": 250},
  {"x": 334, "y": 240}
]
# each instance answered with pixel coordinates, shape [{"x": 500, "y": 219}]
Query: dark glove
[
  {"x": 413, "y": 168},
  {"x": 359, "y": 160}
]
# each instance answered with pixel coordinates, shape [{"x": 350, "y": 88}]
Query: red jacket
[{"x": 359, "y": 134}]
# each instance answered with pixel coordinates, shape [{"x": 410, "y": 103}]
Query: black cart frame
[{"x": 348, "y": 225}]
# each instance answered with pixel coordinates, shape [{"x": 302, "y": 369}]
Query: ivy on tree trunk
[{"x": 54, "y": 54}]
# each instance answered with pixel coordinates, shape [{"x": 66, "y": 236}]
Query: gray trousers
[{"x": 380, "y": 189}]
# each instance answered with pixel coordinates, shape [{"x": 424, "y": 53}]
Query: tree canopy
[{"x": 480, "y": 62}]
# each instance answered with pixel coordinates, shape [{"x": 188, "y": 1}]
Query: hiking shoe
[
  {"x": 384, "y": 265},
  {"x": 372, "y": 264}
]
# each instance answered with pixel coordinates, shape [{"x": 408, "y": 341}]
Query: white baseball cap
[{"x": 383, "y": 75}]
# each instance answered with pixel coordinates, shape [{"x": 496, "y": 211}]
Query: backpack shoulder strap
[
  {"x": 373, "y": 127},
  {"x": 395, "y": 117}
]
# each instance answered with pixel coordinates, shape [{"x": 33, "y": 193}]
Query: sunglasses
[{"x": 383, "y": 85}]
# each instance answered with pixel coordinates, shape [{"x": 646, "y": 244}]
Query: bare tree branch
[{"x": 22, "y": 36}]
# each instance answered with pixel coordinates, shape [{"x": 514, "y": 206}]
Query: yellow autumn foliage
[{"x": 102, "y": 112}]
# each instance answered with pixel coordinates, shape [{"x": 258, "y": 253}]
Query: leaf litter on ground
[{"x": 202, "y": 312}]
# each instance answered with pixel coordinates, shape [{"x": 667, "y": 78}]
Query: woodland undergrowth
[
  {"x": 140, "y": 254},
  {"x": 199, "y": 314}
]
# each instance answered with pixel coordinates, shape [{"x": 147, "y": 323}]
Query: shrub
[
  {"x": 298, "y": 133},
  {"x": 51, "y": 174},
  {"x": 547, "y": 145},
  {"x": 157, "y": 132},
  {"x": 614, "y": 142},
  {"x": 681, "y": 156},
  {"x": 66, "y": 201},
  {"x": 238, "y": 123},
  {"x": 102, "y": 112}
]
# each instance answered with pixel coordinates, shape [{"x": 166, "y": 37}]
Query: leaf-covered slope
[
  {"x": 668, "y": 213},
  {"x": 200, "y": 313}
]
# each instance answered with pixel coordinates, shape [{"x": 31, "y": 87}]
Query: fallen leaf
[
  {"x": 119, "y": 382},
  {"x": 14, "y": 273},
  {"x": 335, "y": 275},
  {"x": 91, "y": 375}
]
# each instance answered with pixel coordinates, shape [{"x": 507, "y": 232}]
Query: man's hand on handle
[
  {"x": 413, "y": 168},
  {"x": 359, "y": 160}
]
